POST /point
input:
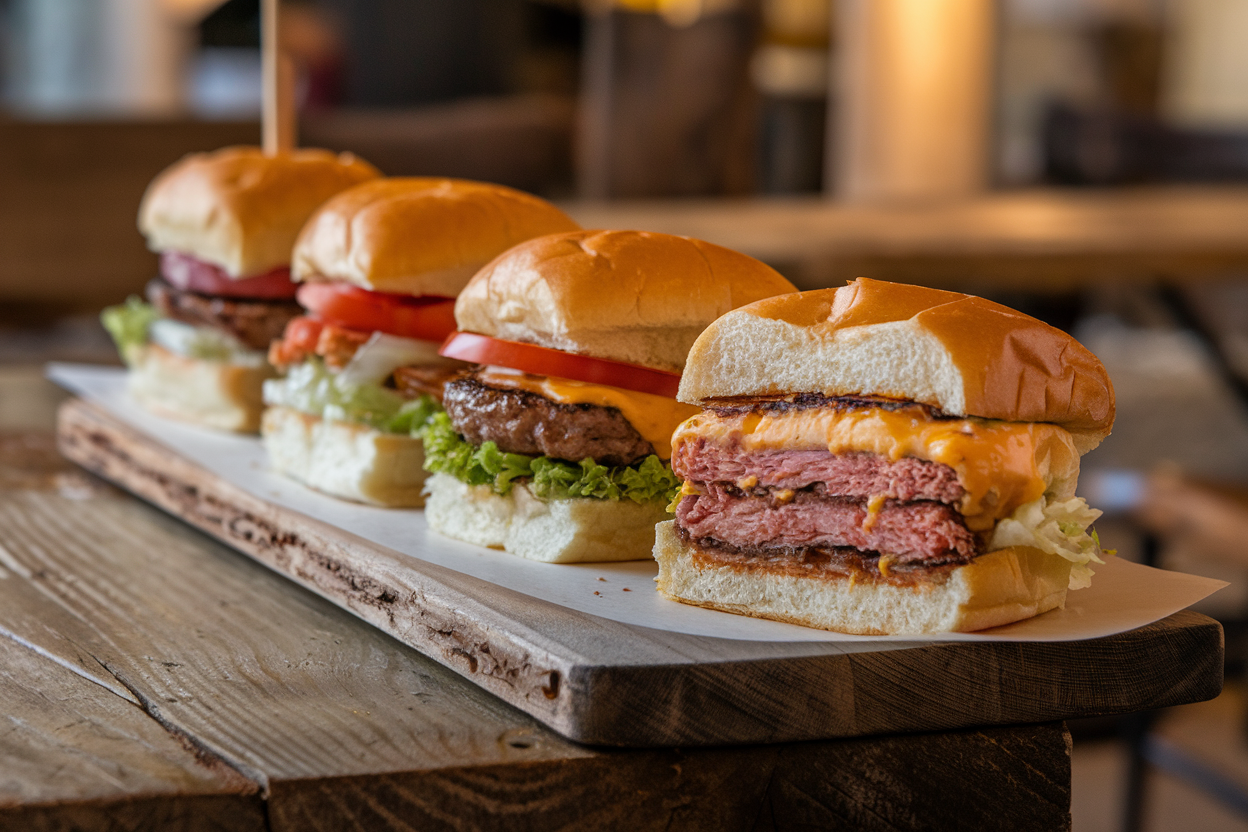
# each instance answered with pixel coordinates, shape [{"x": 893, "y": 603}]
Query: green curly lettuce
[
  {"x": 446, "y": 452},
  {"x": 310, "y": 387},
  {"x": 128, "y": 323}
]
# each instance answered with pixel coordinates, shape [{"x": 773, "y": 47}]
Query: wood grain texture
[
  {"x": 602, "y": 682},
  {"x": 1001, "y": 778},
  {"x": 151, "y": 679},
  {"x": 212, "y": 644},
  {"x": 1035, "y": 240},
  {"x": 75, "y": 756}
]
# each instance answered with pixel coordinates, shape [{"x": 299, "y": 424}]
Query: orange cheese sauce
[
  {"x": 1002, "y": 465},
  {"x": 654, "y": 417}
]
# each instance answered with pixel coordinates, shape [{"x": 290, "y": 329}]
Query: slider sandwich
[
  {"x": 224, "y": 224},
  {"x": 380, "y": 266},
  {"x": 556, "y": 447},
  {"x": 883, "y": 458}
]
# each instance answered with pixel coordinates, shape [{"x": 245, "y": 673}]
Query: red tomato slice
[
  {"x": 429, "y": 318},
  {"x": 193, "y": 275},
  {"x": 481, "y": 349},
  {"x": 303, "y": 332}
]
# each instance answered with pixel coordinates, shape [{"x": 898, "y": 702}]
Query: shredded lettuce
[
  {"x": 311, "y": 387},
  {"x": 446, "y": 452},
  {"x": 128, "y": 323},
  {"x": 1059, "y": 528}
]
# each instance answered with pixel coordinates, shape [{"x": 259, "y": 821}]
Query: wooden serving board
[{"x": 603, "y": 682}]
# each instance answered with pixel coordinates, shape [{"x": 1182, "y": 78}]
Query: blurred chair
[{"x": 1211, "y": 518}]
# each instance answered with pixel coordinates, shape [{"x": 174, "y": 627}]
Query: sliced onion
[{"x": 382, "y": 354}]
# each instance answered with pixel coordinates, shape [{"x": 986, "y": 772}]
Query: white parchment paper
[{"x": 1123, "y": 595}]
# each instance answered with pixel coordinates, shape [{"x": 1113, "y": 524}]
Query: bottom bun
[
  {"x": 576, "y": 530},
  {"x": 214, "y": 394},
  {"x": 346, "y": 460},
  {"x": 994, "y": 589}
]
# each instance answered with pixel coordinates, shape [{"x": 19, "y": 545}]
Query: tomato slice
[
  {"x": 429, "y": 318},
  {"x": 191, "y": 274},
  {"x": 303, "y": 332},
  {"x": 481, "y": 349}
]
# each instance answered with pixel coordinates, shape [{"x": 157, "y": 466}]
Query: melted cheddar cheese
[
  {"x": 654, "y": 417},
  {"x": 1002, "y": 465}
]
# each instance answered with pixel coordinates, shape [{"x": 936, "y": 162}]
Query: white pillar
[
  {"x": 910, "y": 120},
  {"x": 1205, "y": 81}
]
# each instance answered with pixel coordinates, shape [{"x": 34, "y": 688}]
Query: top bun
[
  {"x": 632, "y": 296},
  {"x": 239, "y": 209},
  {"x": 419, "y": 236},
  {"x": 964, "y": 355}
]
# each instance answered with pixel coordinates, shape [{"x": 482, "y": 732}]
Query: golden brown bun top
[
  {"x": 960, "y": 353},
  {"x": 239, "y": 209},
  {"x": 632, "y": 296},
  {"x": 417, "y": 235}
]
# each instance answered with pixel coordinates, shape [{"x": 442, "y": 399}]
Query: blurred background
[{"x": 1083, "y": 160}]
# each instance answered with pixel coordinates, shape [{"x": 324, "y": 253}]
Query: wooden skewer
[{"x": 279, "y": 85}]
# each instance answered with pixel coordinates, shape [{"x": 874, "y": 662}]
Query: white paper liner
[{"x": 1123, "y": 595}]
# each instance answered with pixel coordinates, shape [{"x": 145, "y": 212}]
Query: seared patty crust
[
  {"x": 522, "y": 422},
  {"x": 815, "y": 561}
]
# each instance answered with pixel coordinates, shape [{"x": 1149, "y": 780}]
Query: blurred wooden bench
[{"x": 71, "y": 190}]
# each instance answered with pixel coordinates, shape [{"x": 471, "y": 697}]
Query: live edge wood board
[{"x": 601, "y": 682}]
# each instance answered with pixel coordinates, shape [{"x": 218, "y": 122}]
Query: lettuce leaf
[
  {"x": 1059, "y": 528},
  {"x": 446, "y": 452},
  {"x": 311, "y": 387},
  {"x": 412, "y": 415},
  {"x": 128, "y": 323}
]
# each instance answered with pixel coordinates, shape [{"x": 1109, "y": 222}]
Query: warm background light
[{"x": 914, "y": 89}]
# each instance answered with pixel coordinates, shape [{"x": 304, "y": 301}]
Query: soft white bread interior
[
  {"x": 994, "y": 589},
  {"x": 577, "y": 530},
  {"x": 214, "y": 394},
  {"x": 417, "y": 235},
  {"x": 632, "y": 296},
  {"x": 240, "y": 209},
  {"x": 962, "y": 354},
  {"x": 351, "y": 461}
]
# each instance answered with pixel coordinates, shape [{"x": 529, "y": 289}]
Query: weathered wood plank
[
  {"x": 1002, "y": 778},
  {"x": 998, "y": 778},
  {"x": 75, "y": 756},
  {"x": 280, "y": 683},
  {"x": 603, "y": 682}
]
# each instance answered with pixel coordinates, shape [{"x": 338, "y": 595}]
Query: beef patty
[
  {"x": 255, "y": 323},
  {"x": 853, "y": 474},
  {"x": 817, "y": 506},
  {"x": 522, "y": 422},
  {"x": 911, "y": 531},
  {"x": 814, "y": 562}
]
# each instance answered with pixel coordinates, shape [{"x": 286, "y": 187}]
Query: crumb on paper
[
  {"x": 604, "y": 580},
  {"x": 626, "y": 589},
  {"x": 596, "y": 592}
]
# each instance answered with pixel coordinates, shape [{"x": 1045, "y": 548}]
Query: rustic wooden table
[{"x": 154, "y": 679}]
